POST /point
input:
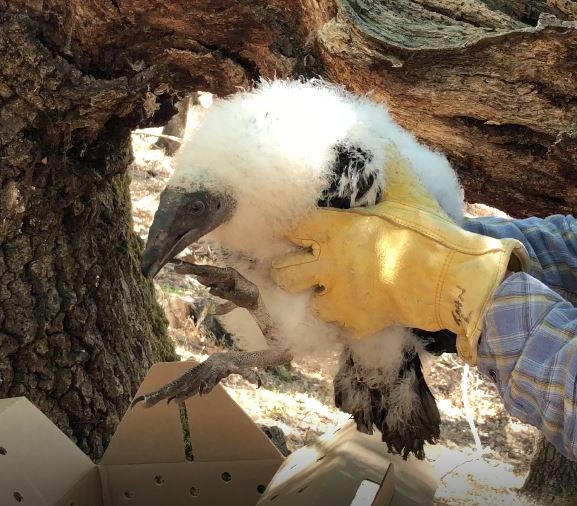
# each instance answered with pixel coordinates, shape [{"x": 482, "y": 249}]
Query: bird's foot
[
  {"x": 224, "y": 282},
  {"x": 224, "y": 308},
  {"x": 201, "y": 379}
]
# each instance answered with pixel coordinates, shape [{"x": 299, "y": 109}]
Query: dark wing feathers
[{"x": 349, "y": 183}]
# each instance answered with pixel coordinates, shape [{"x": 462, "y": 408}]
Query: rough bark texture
[
  {"x": 473, "y": 80},
  {"x": 79, "y": 325},
  {"x": 551, "y": 478},
  {"x": 492, "y": 83},
  {"x": 175, "y": 128}
]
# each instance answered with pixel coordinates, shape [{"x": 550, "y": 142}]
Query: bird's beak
[{"x": 181, "y": 218}]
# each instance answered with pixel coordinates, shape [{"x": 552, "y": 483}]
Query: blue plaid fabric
[{"x": 529, "y": 345}]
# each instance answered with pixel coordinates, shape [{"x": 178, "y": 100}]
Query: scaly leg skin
[
  {"x": 228, "y": 284},
  {"x": 224, "y": 308}
]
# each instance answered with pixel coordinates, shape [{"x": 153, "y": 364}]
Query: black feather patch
[
  {"x": 348, "y": 184},
  {"x": 368, "y": 405},
  {"x": 349, "y": 181}
]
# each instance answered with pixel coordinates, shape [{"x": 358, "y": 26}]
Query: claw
[
  {"x": 224, "y": 308},
  {"x": 169, "y": 389},
  {"x": 250, "y": 376},
  {"x": 223, "y": 282},
  {"x": 201, "y": 379},
  {"x": 146, "y": 400},
  {"x": 137, "y": 400}
]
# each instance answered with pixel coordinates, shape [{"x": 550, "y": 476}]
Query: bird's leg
[
  {"x": 202, "y": 378},
  {"x": 226, "y": 283}
]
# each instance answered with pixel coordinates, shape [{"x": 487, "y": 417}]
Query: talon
[
  {"x": 224, "y": 308},
  {"x": 203, "y": 377},
  {"x": 255, "y": 378},
  {"x": 137, "y": 400},
  {"x": 146, "y": 400},
  {"x": 174, "y": 398}
]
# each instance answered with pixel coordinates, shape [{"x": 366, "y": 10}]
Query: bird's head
[
  {"x": 261, "y": 160},
  {"x": 255, "y": 164},
  {"x": 182, "y": 218}
]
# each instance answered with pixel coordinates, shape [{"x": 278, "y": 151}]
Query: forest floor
[{"x": 300, "y": 402}]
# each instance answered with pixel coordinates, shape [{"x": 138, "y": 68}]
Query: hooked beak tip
[
  {"x": 148, "y": 266},
  {"x": 147, "y": 273}
]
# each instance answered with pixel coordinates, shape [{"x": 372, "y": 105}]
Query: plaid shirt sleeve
[{"x": 529, "y": 344}]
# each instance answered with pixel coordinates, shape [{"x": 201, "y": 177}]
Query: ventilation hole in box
[
  {"x": 128, "y": 494},
  {"x": 3, "y": 450},
  {"x": 320, "y": 458},
  {"x": 159, "y": 480},
  {"x": 185, "y": 433},
  {"x": 260, "y": 489},
  {"x": 194, "y": 492},
  {"x": 301, "y": 489},
  {"x": 18, "y": 497},
  {"x": 226, "y": 476}
]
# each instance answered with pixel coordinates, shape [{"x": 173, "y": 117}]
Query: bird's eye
[{"x": 198, "y": 207}]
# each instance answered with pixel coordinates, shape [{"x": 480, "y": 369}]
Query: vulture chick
[{"x": 259, "y": 162}]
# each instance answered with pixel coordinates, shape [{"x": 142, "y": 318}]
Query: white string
[
  {"x": 469, "y": 411},
  {"x": 162, "y": 136},
  {"x": 479, "y": 451}
]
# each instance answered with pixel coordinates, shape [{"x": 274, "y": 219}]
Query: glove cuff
[{"x": 484, "y": 279}]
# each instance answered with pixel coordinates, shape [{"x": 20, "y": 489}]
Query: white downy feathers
[
  {"x": 275, "y": 148},
  {"x": 279, "y": 150}
]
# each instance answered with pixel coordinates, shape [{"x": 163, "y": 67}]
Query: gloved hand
[{"x": 402, "y": 262}]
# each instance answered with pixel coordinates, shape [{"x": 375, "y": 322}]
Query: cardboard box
[
  {"x": 345, "y": 467},
  {"x": 210, "y": 454},
  {"x": 145, "y": 463}
]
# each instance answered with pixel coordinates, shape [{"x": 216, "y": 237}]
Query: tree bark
[
  {"x": 551, "y": 478},
  {"x": 175, "y": 127},
  {"x": 492, "y": 83},
  {"x": 475, "y": 81},
  {"x": 79, "y": 325}
]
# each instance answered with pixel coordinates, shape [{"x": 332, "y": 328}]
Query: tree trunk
[
  {"x": 79, "y": 325},
  {"x": 551, "y": 477},
  {"x": 492, "y": 83},
  {"x": 175, "y": 127}
]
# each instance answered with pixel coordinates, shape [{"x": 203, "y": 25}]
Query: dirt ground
[{"x": 301, "y": 402}]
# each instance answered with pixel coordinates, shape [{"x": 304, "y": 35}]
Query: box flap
[
  {"x": 38, "y": 463},
  {"x": 218, "y": 428},
  {"x": 345, "y": 467},
  {"x": 86, "y": 492}
]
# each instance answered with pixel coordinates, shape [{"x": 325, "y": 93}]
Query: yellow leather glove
[{"x": 402, "y": 262}]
